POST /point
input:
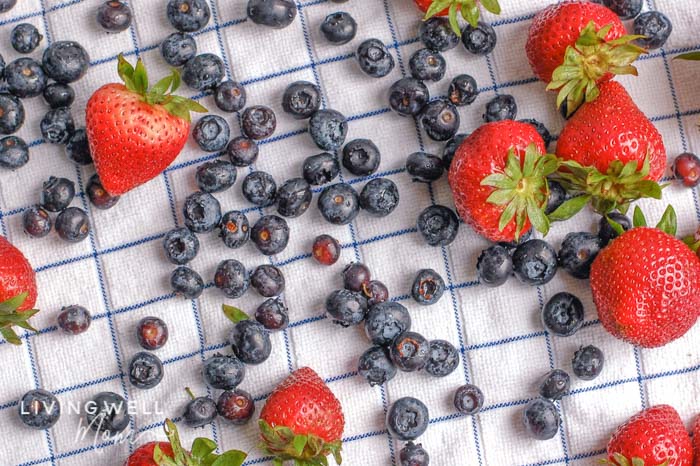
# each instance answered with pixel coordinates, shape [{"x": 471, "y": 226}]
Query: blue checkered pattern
[{"x": 121, "y": 275}]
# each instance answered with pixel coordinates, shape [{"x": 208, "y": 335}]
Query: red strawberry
[
  {"x": 424, "y": 5},
  {"x": 17, "y": 291},
  {"x": 696, "y": 441},
  {"x": 302, "y": 420},
  {"x": 136, "y": 132},
  {"x": 469, "y": 10},
  {"x": 143, "y": 455},
  {"x": 655, "y": 436},
  {"x": 495, "y": 190}
]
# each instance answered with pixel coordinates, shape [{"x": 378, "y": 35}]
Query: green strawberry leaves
[
  {"x": 202, "y": 452},
  {"x": 470, "y": 11},
  {"x": 10, "y": 316},
  {"x": 234, "y": 314},
  {"x": 695, "y": 56},
  {"x": 304, "y": 450},
  {"x": 621, "y": 460},
  {"x": 570, "y": 207}
]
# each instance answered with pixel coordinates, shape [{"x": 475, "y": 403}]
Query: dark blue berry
[
  {"x": 188, "y": 15},
  {"x": 259, "y": 188},
  {"x": 541, "y": 419},
  {"x": 114, "y": 16},
  {"x": 413, "y": 455},
  {"x": 57, "y": 126},
  {"x": 655, "y": 26},
  {"x": 107, "y": 412},
  {"x": 407, "y": 419},
  {"x": 293, "y": 197},
  {"x": 448, "y": 152},
  {"x": 443, "y": 360},
  {"x": 328, "y": 129},
  {"x": 577, "y": 253},
  {"x": 555, "y": 384},
  {"x": 424, "y": 167},
  {"x": 65, "y": 61},
  {"x": 199, "y": 412},
  {"x": 258, "y": 122},
  {"x": 272, "y": 314},
  {"x": 361, "y": 157},
  {"x": 557, "y": 196},
  {"x": 7, "y": 5},
  {"x": 339, "y": 28},
  {"x": 178, "y": 48},
  {"x": 251, "y": 342},
  {"x": 606, "y": 233},
  {"x": 320, "y": 169},
  {"x": 270, "y": 234},
  {"x": 211, "y": 133},
  {"x": 439, "y": 119},
  {"x": 232, "y": 278},
  {"x": 223, "y": 372},
  {"x": 356, "y": 276},
  {"x": 186, "y": 282},
  {"x": 36, "y": 222},
  {"x": 11, "y": 114},
  {"x": 408, "y": 96},
  {"x": 180, "y": 245},
  {"x": 375, "y": 366},
  {"x": 276, "y": 14},
  {"x": 145, "y": 370},
  {"x": 39, "y": 409},
  {"x": 74, "y": 320},
  {"x": 428, "y": 287},
  {"x": 468, "y": 399},
  {"x": 588, "y": 362},
  {"x": 152, "y": 333},
  {"x": 25, "y": 77},
  {"x": 78, "y": 148},
  {"x": 463, "y": 90},
  {"x": 202, "y": 212},
  {"x": 376, "y": 292},
  {"x": 326, "y": 250},
  {"x": 203, "y": 72},
  {"x": 346, "y": 307},
  {"x": 374, "y": 58},
  {"x": 379, "y": 197},
  {"x": 215, "y": 176},
  {"x": 494, "y": 266},
  {"x": 230, "y": 96},
  {"x": 267, "y": 280},
  {"x": 534, "y": 262},
  {"x": 339, "y": 204},
  {"x": 427, "y": 65},
  {"x": 242, "y": 151},
  {"x": 25, "y": 38},
  {"x": 409, "y": 351},
  {"x": 57, "y": 194},
  {"x": 438, "y": 225},
  {"x": 501, "y": 107},
  {"x": 385, "y": 321},
  {"x": 73, "y": 225},
  {"x": 480, "y": 40},
  {"x": 625, "y": 9},
  {"x": 14, "y": 152},
  {"x": 236, "y": 406},
  {"x": 59, "y": 95},
  {"x": 541, "y": 130},
  {"x": 301, "y": 99},
  {"x": 437, "y": 34},
  {"x": 234, "y": 229}
]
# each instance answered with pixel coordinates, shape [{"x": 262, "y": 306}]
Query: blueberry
[
  {"x": 655, "y": 26},
  {"x": 413, "y": 455},
  {"x": 557, "y": 196},
  {"x": 339, "y": 204},
  {"x": 178, "y": 48},
  {"x": 215, "y": 176},
  {"x": 346, "y": 307},
  {"x": 374, "y": 58},
  {"x": 276, "y": 14},
  {"x": 73, "y": 225},
  {"x": 199, "y": 412},
  {"x": 114, "y": 16},
  {"x": 361, "y": 157},
  {"x": 555, "y": 384},
  {"x": 577, "y": 253},
  {"x": 65, "y": 61},
  {"x": 301, "y": 99},
  {"x": 74, "y": 319},
  {"x": 328, "y": 129},
  {"x": 39, "y": 409},
  {"x": 326, "y": 250},
  {"x": 407, "y": 419},
  {"x": 203, "y": 72},
  {"x": 78, "y": 148},
  {"x": 588, "y": 362},
  {"x": 686, "y": 169},
  {"x": 223, "y": 372},
  {"x": 258, "y": 122},
  {"x": 375, "y": 366},
  {"x": 480, "y": 40},
  {"x": 2, "y": 67},
  {"x": 606, "y": 233},
  {"x": 259, "y": 188},
  {"x": 427, "y": 65},
  {"x": 202, "y": 212},
  {"x": 234, "y": 229},
  {"x": 267, "y": 280},
  {"x": 463, "y": 90},
  {"x": 186, "y": 282},
  {"x": 152, "y": 333},
  {"x": 272, "y": 314},
  {"x": 356, "y": 276},
  {"x": 7, "y": 5},
  {"x": 438, "y": 225},
  {"x": 11, "y": 114},
  {"x": 448, "y": 152},
  {"x": 534, "y": 262},
  {"x": 107, "y": 412},
  {"x": 408, "y": 96},
  {"x": 25, "y": 38},
  {"x": 501, "y": 107},
  {"x": 428, "y": 287},
  {"x": 436, "y": 34},
  {"x": 180, "y": 245},
  {"x": 188, "y": 15},
  {"x": 59, "y": 95},
  {"x": 25, "y": 77},
  {"x": 36, "y": 222},
  {"x": 293, "y": 197},
  {"x": 57, "y": 194},
  {"x": 439, "y": 119},
  {"x": 57, "y": 126},
  {"x": 494, "y": 266},
  {"x": 211, "y": 133},
  {"x": 14, "y": 152},
  {"x": 270, "y": 234},
  {"x": 320, "y": 169},
  {"x": 443, "y": 360},
  {"x": 145, "y": 370},
  {"x": 385, "y": 321},
  {"x": 242, "y": 151},
  {"x": 424, "y": 167},
  {"x": 379, "y": 197},
  {"x": 625, "y": 9},
  {"x": 339, "y": 28},
  {"x": 541, "y": 419},
  {"x": 250, "y": 342},
  {"x": 232, "y": 278},
  {"x": 468, "y": 399},
  {"x": 541, "y": 129},
  {"x": 409, "y": 351},
  {"x": 230, "y": 96},
  {"x": 376, "y": 292},
  {"x": 236, "y": 406}
]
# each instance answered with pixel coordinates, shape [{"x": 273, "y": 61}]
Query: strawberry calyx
[
  {"x": 161, "y": 93},
  {"x": 694, "y": 56},
  {"x": 234, "y": 314},
  {"x": 202, "y": 452},
  {"x": 591, "y": 59},
  {"x": 523, "y": 190},
  {"x": 621, "y": 460},
  {"x": 11, "y": 316},
  {"x": 304, "y": 450},
  {"x": 469, "y": 10}
]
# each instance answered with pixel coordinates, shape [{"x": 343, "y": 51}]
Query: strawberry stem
[
  {"x": 10, "y": 316},
  {"x": 470, "y": 11},
  {"x": 285, "y": 445}
]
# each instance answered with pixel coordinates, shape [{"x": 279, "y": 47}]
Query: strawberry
[
  {"x": 575, "y": 45},
  {"x": 696, "y": 441},
  {"x": 469, "y": 9},
  {"x": 653, "y": 437},
  {"x": 17, "y": 291},
  {"x": 302, "y": 420},
  {"x": 646, "y": 284},
  {"x": 498, "y": 180},
  {"x": 135, "y": 132}
]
